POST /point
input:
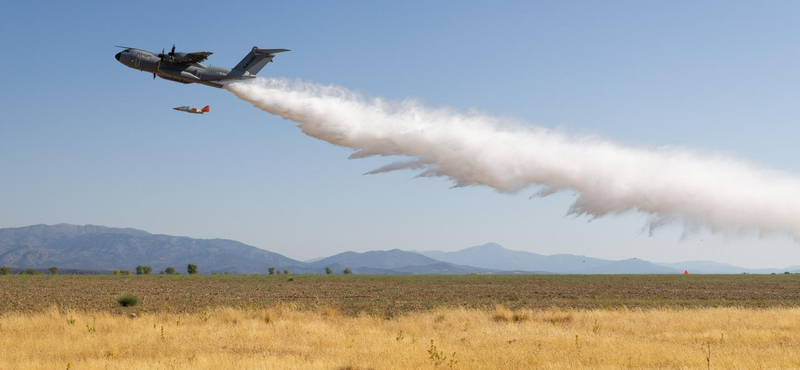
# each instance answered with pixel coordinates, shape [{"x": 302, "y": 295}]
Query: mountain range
[
  {"x": 99, "y": 248},
  {"x": 103, "y": 248}
]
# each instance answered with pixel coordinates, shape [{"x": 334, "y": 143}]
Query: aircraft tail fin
[
  {"x": 205, "y": 109},
  {"x": 254, "y": 61}
]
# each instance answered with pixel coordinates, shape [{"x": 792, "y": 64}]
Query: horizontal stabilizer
[{"x": 270, "y": 51}]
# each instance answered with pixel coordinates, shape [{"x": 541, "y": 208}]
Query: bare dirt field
[{"x": 392, "y": 295}]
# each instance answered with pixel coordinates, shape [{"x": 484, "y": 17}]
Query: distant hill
[
  {"x": 630, "y": 266},
  {"x": 494, "y": 256},
  {"x": 710, "y": 267},
  {"x": 443, "y": 268},
  {"x": 102, "y": 248},
  {"x": 377, "y": 259},
  {"x": 99, "y": 249},
  {"x": 394, "y": 261}
]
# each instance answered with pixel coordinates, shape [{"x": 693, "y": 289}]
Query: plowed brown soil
[{"x": 391, "y": 295}]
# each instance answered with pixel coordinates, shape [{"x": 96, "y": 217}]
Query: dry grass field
[
  {"x": 285, "y": 337},
  {"x": 401, "y": 322}
]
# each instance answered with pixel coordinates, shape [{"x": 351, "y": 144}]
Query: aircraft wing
[{"x": 195, "y": 57}]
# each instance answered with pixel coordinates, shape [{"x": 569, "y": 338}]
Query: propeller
[
  {"x": 161, "y": 57},
  {"x": 171, "y": 54},
  {"x": 158, "y": 67}
]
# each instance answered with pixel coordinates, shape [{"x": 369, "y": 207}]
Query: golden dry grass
[{"x": 287, "y": 337}]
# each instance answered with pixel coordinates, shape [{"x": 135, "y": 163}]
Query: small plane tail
[
  {"x": 205, "y": 109},
  {"x": 254, "y": 61}
]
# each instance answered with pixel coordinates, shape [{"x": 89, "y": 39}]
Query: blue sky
[{"x": 84, "y": 139}]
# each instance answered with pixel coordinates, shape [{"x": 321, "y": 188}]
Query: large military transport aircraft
[{"x": 186, "y": 67}]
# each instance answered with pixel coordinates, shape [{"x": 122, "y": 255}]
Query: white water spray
[{"x": 670, "y": 185}]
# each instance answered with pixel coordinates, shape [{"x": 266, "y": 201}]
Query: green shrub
[
  {"x": 117, "y": 272},
  {"x": 139, "y": 270},
  {"x": 128, "y": 300},
  {"x": 126, "y": 272},
  {"x": 31, "y": 272},
  {"x": 347, "y": 271},
  {"x": 169, "y": 271},
  {"x": 147, "y": 270},
  {"x": 271, "y": 271},
  {"x": 191, "y": 269},
  {"x": 5, "y": 270},
  {"x": 286, "y": 272},
  {"x": 53, "y": 270},
  {"x": 328, "y": 271}
]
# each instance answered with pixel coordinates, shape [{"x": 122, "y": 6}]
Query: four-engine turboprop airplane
[
  {"x": 187, "y": 109},
  {"x": 186, "y": 67}
]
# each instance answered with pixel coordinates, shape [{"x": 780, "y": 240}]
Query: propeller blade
[{"x": 158, "y": 66}]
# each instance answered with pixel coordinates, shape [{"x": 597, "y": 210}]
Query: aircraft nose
[{"x": 117, "y": 56}]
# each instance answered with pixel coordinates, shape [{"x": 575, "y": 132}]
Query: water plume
[{"x": 668, "y": 184}]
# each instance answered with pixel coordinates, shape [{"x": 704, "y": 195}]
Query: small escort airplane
[
  {"x": 188, "y": 109},
  {"x": 186, "y": 68}
]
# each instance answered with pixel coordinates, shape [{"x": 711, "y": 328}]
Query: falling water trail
[{"x": 670, "y": 185}]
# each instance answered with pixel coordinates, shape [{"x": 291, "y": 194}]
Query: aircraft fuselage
[{"x": 146, "y": 61}]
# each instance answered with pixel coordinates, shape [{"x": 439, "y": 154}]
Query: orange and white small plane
[{"x": 188, "y": 109}]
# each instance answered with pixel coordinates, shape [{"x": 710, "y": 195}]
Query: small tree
[
  {"x": 126, "y": 272},
  {"x": 5, "y": 270},
  {"x": 53, "y": 270},
  {"x": 328, "y": 271},
  {"x": 117, "y": 272},
  {"x": 139, "y": 270},
  {"x": 347, "y": 271},
  {"x": 31, "y": 272},
  {"x": 147, "y": 270},
  {"x": 272, "y": 271},
  {"x": 170, "y": 271},
  {"x": 286, "y": 272},
  {"x": 191, "y": 269}
]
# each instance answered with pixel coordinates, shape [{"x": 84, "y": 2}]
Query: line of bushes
[{"x": 191, "y": 269}]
